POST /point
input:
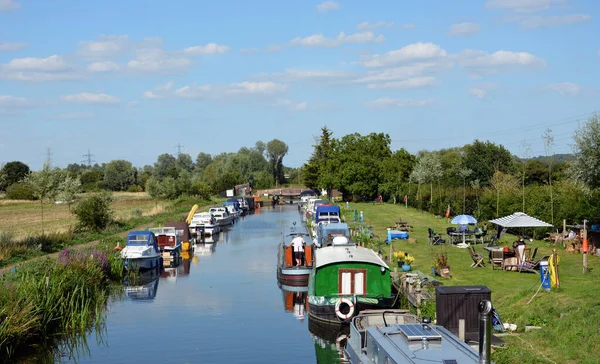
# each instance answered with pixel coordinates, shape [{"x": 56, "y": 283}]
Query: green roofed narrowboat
[{"x": 347, "y": 279}]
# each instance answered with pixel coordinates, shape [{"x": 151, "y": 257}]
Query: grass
[
  {"x": 568, "y": 315},
  {"x": 23, "y": 218}
]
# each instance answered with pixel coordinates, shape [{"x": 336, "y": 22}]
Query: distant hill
[{"x": 558, "y": 158}]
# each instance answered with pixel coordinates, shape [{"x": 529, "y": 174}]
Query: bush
[
  {"x": 19, "y": 191},
  {"x": 94, "y": 212},
  {"x": 200, "y": 189},
  {"x": 135, "y": 188}
]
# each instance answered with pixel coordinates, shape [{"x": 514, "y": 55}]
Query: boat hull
[
  {"x": 145, "y": 263},
  {"x": 293, "y": 276},
  {"x": 325, "y": 313}
]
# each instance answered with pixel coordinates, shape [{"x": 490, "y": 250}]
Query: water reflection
[
  {"x": 295, "y": 300},
  {"x": 142, "y": 286},
  {"x": 329, "y": 341}
]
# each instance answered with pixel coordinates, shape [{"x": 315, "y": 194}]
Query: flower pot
[{"x": 406, "y": 267}]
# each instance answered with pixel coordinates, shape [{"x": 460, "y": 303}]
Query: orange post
[{"x": 288, "y": 256}]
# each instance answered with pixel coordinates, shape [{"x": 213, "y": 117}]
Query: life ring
[
  {"x": 350, "y": 309},
  {"x": 338, "y": 342}
]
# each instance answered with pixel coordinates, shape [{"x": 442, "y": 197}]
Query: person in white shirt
[{"x": 298, "y": 244}]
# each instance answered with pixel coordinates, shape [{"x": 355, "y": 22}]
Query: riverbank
[
  {"x": 568, "y": 315},
  {"x": 14, "y": 251}
]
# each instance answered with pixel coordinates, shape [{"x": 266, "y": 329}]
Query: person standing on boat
[{"x": 298, "y": 244}]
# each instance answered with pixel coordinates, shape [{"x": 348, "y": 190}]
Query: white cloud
[
  {"x": 523, "y": 6},
  {"x": 90, "y": 98},
  {"x": 155, "y": 60},
  {"x": 415, "y": 82},
  {"x": 538, "y": 22},
  {"x": 103, "y": 66},
  {"x": 409, "y": 26},
  {"x": 481, "y": 63},
  {"x": 463, "y": 29},
  {"x": 11, "y": 46},
  {"x": 106, "y": 46},
  {"x": 246, "y": 87},
  {"x": 273, "y": 48},
  {"x": 73, "y": 116},
  {"x": 52, "y": 68},
  {"x": 210, "y": 48},
  {"x": 564, "y": 88},
  {"x": 52, "y": 63},
  {"x": 480, "y": 91},
  {"x": 328, "y": 6},
  {"x": 6, "y": 5},
  {"x": 372, "y": 26},
  {"x": 160, "y": 91},
  {"x": 291, "y": 75},
  {"x": 411, "y": 52},
  {"x": 402, "y": 72},
  {"x": 8, "y": 101},
  {"x": 292, "y": 106},
  {"x": 387, "y": 102},
  {"x": 229, "y": 90},
  {"x": 320, "y": 41},
  {"x": 249, "y": 50}
]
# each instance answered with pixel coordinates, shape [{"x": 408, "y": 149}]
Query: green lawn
[{"x": 569, "y": 316}]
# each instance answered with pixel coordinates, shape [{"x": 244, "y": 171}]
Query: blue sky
[{"x": 132, "y": 79}]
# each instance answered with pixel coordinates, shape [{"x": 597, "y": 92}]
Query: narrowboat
[
  {"x": 345, "y": 280},
  {"x": 169, "y": 242},
  {"x": 288, "y": 271},
  {"x": 141, "y": 251},
  {"x": 295, "y": 300},
  {"x": 386, "y": 336},
  {"x": 325, "y": 233}
]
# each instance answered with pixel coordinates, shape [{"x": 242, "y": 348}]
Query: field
[
  {"x": 23, "y": 218},
  {"x": 568, "y": 316}
]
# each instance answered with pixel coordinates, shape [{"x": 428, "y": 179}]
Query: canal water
[{"x": 223, "y": 305}]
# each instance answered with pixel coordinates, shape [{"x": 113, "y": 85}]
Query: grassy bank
[
  {"x": 15, "y": 249},
  {"x": 568, "y": 316},
  {"x": 53, "y": 298}
]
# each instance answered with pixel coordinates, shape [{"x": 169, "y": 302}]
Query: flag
[
  {"x": 448, "y": 212},
  {"x": 405, "y": 198}
]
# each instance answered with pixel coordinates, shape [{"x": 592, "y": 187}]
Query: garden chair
[
  {"x": 497, "y": 259},
  {"x": 435, "y": 239},
  {"x": 477, "y": 259}
]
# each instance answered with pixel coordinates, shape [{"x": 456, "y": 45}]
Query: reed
[{"x": 47, "y": 298}]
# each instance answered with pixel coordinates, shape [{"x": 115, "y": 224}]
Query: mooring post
[
  {"x": 461, "y": 329},
  {"x": 47, "y": 281}
]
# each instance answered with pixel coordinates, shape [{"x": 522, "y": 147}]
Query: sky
[{"x": 135, "y": 79}]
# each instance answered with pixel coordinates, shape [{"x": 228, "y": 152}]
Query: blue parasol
[{"x": 463, "y": 220}]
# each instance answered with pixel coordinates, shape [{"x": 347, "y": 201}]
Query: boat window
[
  {"x": 359, "y": 283},
  {"x": 352, "y": 282},
  {"x": 137, "y": 240}
]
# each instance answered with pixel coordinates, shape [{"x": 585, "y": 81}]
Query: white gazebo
[{"x": 519, "y": 219}]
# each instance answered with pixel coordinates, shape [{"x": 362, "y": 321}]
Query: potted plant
[
  {"x": 441, "y": 266},
  {"x": 403, "y": 260}
]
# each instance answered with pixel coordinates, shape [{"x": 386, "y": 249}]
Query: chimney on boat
[{"x": 485, "y": 331}]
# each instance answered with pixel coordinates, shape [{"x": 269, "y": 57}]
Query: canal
[{"x": 223, "y": 305}]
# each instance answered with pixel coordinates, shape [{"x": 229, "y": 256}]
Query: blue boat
[{"x": 141, "y": 251}]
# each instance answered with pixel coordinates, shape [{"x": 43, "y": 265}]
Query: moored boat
[
  {"x": 388, "y": 336},
  {"x": 169, "y": 242},
  {"x": 347, "y": 279},
  {"x": 141, "y": 251},
  {"x": 288, "y": 271},
  {"x": 222, "y": 216},
  {"x": 183, "y": 234},
  {"x": 203, "y": 223}
]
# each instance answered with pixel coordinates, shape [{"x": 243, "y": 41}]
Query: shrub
[
  {"x": 201, "y": 189},
  {"x": 19, "y": 191},
  {"x": 135, "y": 188},
  {"x": 94, "y": 212}
]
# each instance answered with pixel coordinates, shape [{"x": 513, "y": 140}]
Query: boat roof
[
  {"x": 180, "y": 226},
  {"x": 334, "y": 226},
  {"x": 140, "y": 232},
  {"x": 328, "y": 208},
  {"x": 347, "y": 253},
  {"x": 308, "y": 193}
]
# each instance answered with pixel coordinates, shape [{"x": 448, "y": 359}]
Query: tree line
[
  {"x": 482, "y": 178},
  {"x": 169, "y": 177}
]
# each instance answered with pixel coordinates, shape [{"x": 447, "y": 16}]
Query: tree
[
  {"x": 475, "y": 185},
  {"x": 316, "y": 167},
  {"x": 276, "y": 150},
  {"x": 586, "y": 166},
  {"x": 502, "y": 182},
  {"x": 94, "y": 212},
  {"x": 119, "y": 175},
  {"x": 165, "y": 166},
  {"x": 154, "y": 189},
  {"x": 12, "y": 172},
  {"x": 525, "y": 156},
  {"x": 202, "y": 161},
  {"x": 184, "y": 162},
  {"x": 548, "y": 145},
  {"x": 395, "y": 170},
  {"x": 464, "y": 173},
  {"x": 431, "y": 168},
  {"x": 485, "y": 158},
  {"x": 69, "y": 187},
  {"x": 44, "y": 184},
  {"x": 260, "y": 147}
]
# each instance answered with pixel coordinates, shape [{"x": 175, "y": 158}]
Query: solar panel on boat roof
[
  {"x": 418, "y": 332},
  {"x": 449, "y": 361}
]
